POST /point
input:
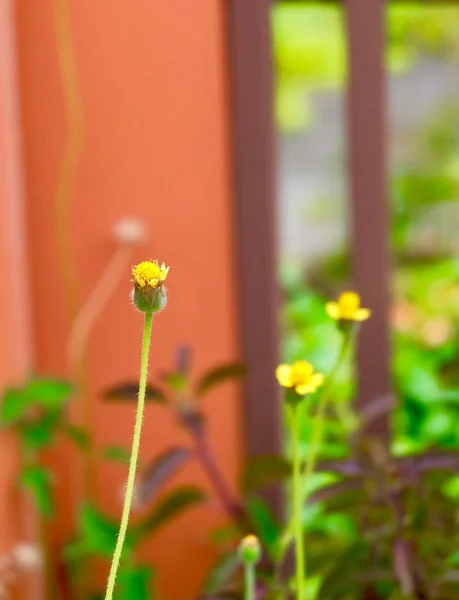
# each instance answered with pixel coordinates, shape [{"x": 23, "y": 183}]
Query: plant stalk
[
  {"x": 134, "y": 458},
  {"x": 232, "y": 506},
  {"x": 316, "y": 440},
  {"x": 249, "y": 582},
  {"x": 297, "y": 504}
]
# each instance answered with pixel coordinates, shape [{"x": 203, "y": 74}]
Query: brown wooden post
[
  {"x": 252, "y": 130},
  {"x": 369, "y": 197}
]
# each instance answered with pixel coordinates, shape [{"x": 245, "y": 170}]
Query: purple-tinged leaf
[
  {"x": 159, "y": 471},
  {"x": 130, "y": 390},
  {"x": 347, "y": 468},
  {"x": 171, "y": 505},
  {"x": 218, "y": 375},
  {"x": 334, "y": 490},
  {"x": 434, "y": 461},
  {"x": 183, "y": 359},
  {"x": 264, "y": 470},
  {"x": 221, "y": 574}
]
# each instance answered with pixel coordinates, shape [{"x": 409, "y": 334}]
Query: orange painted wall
[
  {"x": 15, "y": 351},
  {"x": 153, "y": 86}
]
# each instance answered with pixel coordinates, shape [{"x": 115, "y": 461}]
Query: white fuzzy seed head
[
  {"x": 130, "y": 231},
  {"x": 28, "y": 556}
]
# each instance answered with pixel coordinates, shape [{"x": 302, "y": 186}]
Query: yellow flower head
[
  {"x": 299, "y": 376},
  {"x": 347, "y": 308},
  {"x": 149, "y": 292},
  {"x": 149, "y": 274}
]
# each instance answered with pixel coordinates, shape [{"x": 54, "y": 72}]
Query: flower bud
[
  {"x": 149, "y": 294},
  {"x": 249, "y": 550}
]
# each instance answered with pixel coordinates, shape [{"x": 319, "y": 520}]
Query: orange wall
[
  {"x": 152, "y": 79},
  {"x": 16, "y": 521}
]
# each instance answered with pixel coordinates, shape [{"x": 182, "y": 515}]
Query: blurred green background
[{"x": 423, "y": 133}]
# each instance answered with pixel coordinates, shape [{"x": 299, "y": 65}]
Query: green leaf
[
  {"x": 78, "y": 435},
  {"x": 226, "y": 534},
  {"x": 264, "y": 470},
  {"x": 40, "y": 433},
  {"x": 98, "y": 532},
  {"x": 130, "y": 390},
  {"x": 263, "y": 522},
  {"x": 116, "y": 453},
  {"x": 222, "y": 573},
  {"x": 74, "y": 551},
  {"x": 218, "y": 375},
  {"x": 49, "y": 393},
  {"x": 133, "y": 583},
  {"x": 37, "y": 481},
  {"x": 176, "y": 381},
  {"x": 453, "y": 559},
  {"x": 14, "y": 404},
  {"x": 170, "y": 506}
]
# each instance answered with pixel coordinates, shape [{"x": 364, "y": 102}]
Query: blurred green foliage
[
  {"x": 310, "y": 48},
  {"x": 38, "y": 413},
  {"x": 351, "y": 535}
]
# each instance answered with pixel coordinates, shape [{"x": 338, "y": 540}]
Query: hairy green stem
[
  {"x": 297, "y": 503},
  {"x": 319, "y": 419},
  {"x": 134, "y": 458},
  {"x": 316, "y": 440},
  {"x": 249, "y": 581}
]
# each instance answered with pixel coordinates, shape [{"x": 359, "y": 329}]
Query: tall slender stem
[
  {"x": 297, "y": 504},
  {"x": 134, "y": 458},
  {"x": 249, "y": 582},
  {"x": 319, "y": 419},
  {"x": 316, "y": 441}
]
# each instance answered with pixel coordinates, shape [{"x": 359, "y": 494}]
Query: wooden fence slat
[
  {"x": 252, "y": 130},
  {"x": 369, "y": 194}
]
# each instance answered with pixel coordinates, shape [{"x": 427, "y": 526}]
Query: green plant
[
  {"x": 38, "y": 413},
  {"x": 310, "y": 53}
]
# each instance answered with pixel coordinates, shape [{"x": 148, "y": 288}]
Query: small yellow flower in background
[
  {"x": 299, "y": 376},
  {"x": 347, "y": 308},
  {"x": 149, "y": 292},
  {"x": 149, "y": 273}
]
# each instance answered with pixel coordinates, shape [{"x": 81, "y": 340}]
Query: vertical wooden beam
[
  {"x": 369, "y": 194},
  {"x": 252, "y": 130}
]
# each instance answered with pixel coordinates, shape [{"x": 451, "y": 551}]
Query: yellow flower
[
  {"x": 347, "y": 308},
  {"x": 149, "y": 293},
  {"x": 149, "y": 274},
  {"x": 300, "y": 376}
]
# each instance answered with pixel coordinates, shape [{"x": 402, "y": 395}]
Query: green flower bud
[{"x": 249, "y": 550}]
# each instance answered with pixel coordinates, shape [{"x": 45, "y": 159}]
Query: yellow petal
[
  {"x": 362, "y": 314},
  {"x": 301, "y": 370},
  {"x": 317, "y": 380},
  {"x": 304, "y": 388},
  {"x": 349, "y": 301},
  {"x": 153, "y": 282},
  {"x": 332, "y": 310},
  {"x": 284, "y": 375}
]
